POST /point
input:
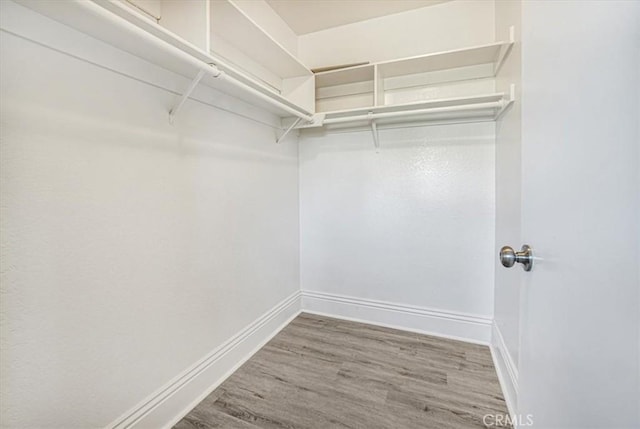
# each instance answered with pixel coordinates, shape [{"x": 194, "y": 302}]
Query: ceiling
[{"x": 307, "y": 16}]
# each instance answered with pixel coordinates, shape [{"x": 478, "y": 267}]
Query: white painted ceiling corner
[{"x": 308, "y": 16}]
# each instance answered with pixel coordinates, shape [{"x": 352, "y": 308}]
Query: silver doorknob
[{"x": 509, "y": 257}]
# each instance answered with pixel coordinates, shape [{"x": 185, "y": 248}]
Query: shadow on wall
[
  {"x": 186, "y": 138},
  {"x": 316, "y": 141},
  {"x": 211, "y": 123}
]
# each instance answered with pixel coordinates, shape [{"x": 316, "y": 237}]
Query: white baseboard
[
  {"x": 506, "y": 369},
  {"x": 172, "y": 402},
  {"x": 165, "y": 407},
  {"x": 447, "y": 324}
]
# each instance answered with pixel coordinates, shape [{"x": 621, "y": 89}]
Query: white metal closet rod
[
  {"x": 369, "y": 117},
  {"x": 212, "y": 69},
  {"x": 266, "y": 98}
]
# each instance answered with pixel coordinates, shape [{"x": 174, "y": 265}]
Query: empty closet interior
[{"x": 185, "y": 177}]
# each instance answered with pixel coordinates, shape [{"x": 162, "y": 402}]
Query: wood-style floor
[{"x": 320, "y": 372}]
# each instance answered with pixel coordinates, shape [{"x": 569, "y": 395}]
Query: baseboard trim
[
  {"x": 506, "y": 369},
  {"x": 165, "y": 407},
  {"x": 441, "y": 323}
]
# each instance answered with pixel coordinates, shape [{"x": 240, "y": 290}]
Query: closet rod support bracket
[
  {"x": 506, "y": 103},
  {"x": 192, "y": 86},
  {"x": 288, "y": 130},
  {"x": 374, "y": 131}
]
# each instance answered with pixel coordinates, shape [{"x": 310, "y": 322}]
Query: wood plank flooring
[{"x": 320, "y": 372}]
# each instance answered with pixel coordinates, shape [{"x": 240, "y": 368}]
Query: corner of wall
[
  {"x": 447, "y": 324},
  {"x": 169, "y": 404},
  {"x": 505, "y": 368}
]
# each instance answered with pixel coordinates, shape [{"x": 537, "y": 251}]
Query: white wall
[
  {"x": 451, "y": 25},
  {"x": 412, "y": 224},
  {"x": 130, "y": 248},
  {"x": 506, "y": 338}
]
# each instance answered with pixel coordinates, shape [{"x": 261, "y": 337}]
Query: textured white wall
[
  {"x": 130, "y": 248},
  {"x": 412, "y": 224},
  {"x": 451, "y": 25}
]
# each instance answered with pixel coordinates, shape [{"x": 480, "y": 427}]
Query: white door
[{"x": 579, "y": 357}]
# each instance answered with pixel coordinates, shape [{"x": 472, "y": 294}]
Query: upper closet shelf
[
  {"x": 232, "y": 24},
  {"x": 450, "y": 86},
  {"x": 119, "y": 25},
  {"x": 493, "y": 54}
]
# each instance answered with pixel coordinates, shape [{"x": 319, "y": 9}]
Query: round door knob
[{"x": 509, "y": 257}]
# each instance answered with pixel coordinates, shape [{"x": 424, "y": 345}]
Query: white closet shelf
[
  {"x": 493, "y": 53},
  {"x": 116, "y": 24},
  {"x": 450, "y": 86},
  {"x": 476, "y": 108},
  {"x": 345, "y": 76},
  {"x": 232, "y": 24}
]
